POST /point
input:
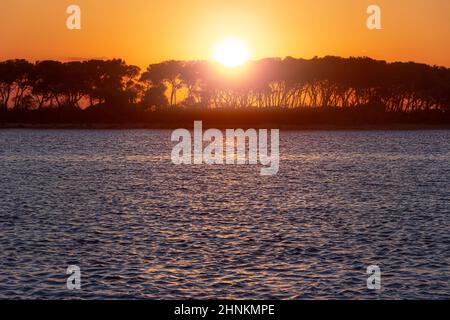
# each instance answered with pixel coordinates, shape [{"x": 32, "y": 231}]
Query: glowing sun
[{"x": 231, "y": 52}]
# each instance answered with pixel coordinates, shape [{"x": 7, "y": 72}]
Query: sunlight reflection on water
[{"x": 140, "y": 227}]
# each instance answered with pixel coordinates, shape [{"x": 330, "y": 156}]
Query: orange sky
[{"x": 147, "y": 31}]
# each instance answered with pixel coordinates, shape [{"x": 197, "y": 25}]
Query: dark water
[{"x": 112, "y": 203}]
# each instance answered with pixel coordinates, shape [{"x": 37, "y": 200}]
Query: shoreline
[{"x": 166, "y": 126}]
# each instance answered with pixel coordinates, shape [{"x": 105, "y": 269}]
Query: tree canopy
[{"x": 268, "y": 83}]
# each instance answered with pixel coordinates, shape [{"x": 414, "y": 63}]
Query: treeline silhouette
[{"x": 287, "y": 91}]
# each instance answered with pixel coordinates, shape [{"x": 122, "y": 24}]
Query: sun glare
[{"x": 231, "y": 52}]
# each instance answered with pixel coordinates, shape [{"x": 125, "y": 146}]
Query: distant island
[{"x": 328, "y": 92}]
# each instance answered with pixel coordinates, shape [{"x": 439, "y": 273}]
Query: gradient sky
[{"x": 148, "y": 31}]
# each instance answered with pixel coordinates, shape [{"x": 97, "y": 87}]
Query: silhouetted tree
[
  {"x": 322, "y": 83},
  {"x": 167, "y": 73}
]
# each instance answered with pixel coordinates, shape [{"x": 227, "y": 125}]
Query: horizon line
[{"x": 105, "y": 58}]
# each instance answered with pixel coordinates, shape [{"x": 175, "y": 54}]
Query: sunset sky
[{"x": 148, "y": 31}]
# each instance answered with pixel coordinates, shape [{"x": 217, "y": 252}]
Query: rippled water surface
[{"x": 138, "y": 226}]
